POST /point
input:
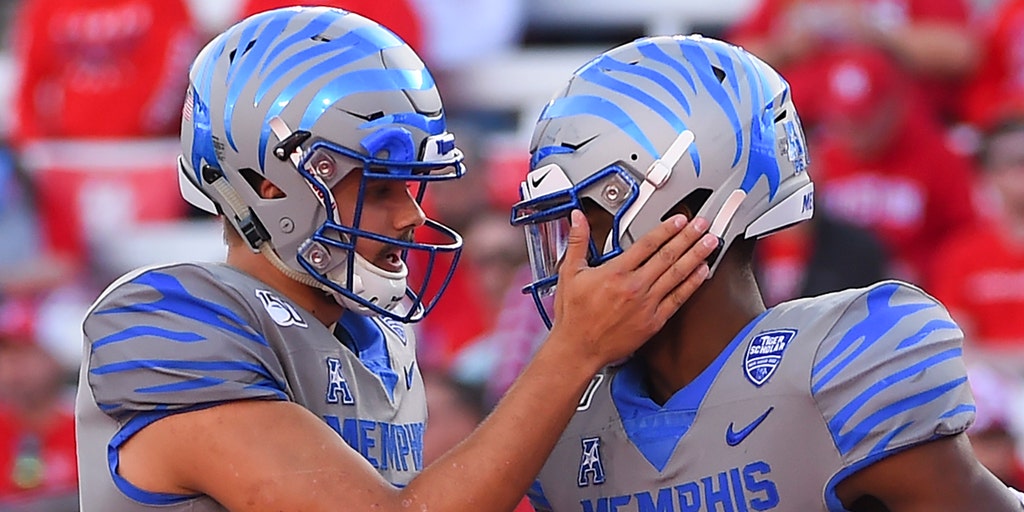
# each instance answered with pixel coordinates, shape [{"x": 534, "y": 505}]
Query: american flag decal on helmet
[{"x": 186, "y": 109}]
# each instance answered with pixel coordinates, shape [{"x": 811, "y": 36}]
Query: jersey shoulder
[
  {"x": 176, "y": 337},
  {"x": 888, "y": 372}
]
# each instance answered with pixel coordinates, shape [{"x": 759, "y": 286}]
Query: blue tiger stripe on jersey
[
  {"x": 200, "y": 366},
  {"x": 267, "y": 385},
  {"x": 139, "y": 331},
  {"x": 839, "y": 421},
  {"x": 883, "y": 444},
  {"x": 881, "y": 318},
  {"x": 177, "y": 300},
  {"x": 599, "y": 107},
  {"x": 848, "y": 441},
  {"x": 187, "y": 385},
  {"x": 930, "y": 327},
  {"x": 959, "y": 409}
]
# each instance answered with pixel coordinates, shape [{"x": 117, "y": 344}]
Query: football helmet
[
  {"x": 301, "y": 97},
  {"x": 655, "y": 122}
]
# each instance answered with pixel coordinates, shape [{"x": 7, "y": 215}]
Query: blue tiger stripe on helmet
[
  {"x": 306, "y": 96},
  {"x": 599, "y": 107},
  {"x": 677, "y": 118},
  {"x": 353, "y": 46},
  {"x": 710, "y": 83}
]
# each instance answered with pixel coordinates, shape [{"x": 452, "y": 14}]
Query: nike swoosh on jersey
[{"x": 733, "y": 438}]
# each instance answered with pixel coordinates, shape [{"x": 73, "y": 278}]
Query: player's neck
[
  {"x": 706, "y": 324},
  {"x": 321, "y": 306}
]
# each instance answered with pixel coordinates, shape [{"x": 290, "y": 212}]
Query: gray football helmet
[
  {"x": 301, "y": 96},
  {"x": 654, "y": 122}
]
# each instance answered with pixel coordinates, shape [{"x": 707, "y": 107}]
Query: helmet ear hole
[
  {"x": 689, "y": 205},
  {"x": 257, "y": 182}
]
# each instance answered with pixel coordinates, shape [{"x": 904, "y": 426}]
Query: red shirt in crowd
[
  {"x": 37, "y": 465},
  {"x": 913, "y": 196},
  {"x": 979, "y": 276},
  {"x": 102, "y": 68},
  {"x": 1000, "y": 75},
  {"x": 397, "y": 15},
  {"x": 804, "y": 76}
]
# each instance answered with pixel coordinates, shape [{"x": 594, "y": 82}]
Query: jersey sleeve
[
  {"x": 175, "y": 339},
  {"x": 890, "y": 375},
  {"x": 539, "y": 502}
]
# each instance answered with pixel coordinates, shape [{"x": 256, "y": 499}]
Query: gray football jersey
[
  {"x": 808, "y": 393},
  {"x": 185, "y": 337}
]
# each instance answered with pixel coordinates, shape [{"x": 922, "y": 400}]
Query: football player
[
  {"x": 286, "y": 378},
  {"x": 855, "y": 400}
]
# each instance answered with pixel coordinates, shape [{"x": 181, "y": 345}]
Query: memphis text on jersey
[{"x": 737, "y": 489}]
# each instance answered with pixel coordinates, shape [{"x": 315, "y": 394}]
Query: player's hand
[{"x": 612, "y": 309}]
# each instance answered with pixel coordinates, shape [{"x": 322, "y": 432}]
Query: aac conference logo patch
[{"x": 764, "y": 353}]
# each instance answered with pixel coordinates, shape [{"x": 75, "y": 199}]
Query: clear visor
[
  {"x": 546, "y": 222},
  {"x": 547, "y": 242}
]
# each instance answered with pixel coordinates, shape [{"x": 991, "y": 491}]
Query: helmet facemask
[{"x": 329, "y": 255}]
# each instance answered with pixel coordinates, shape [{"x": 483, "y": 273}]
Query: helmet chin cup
[{"x": 373, "y": 284}]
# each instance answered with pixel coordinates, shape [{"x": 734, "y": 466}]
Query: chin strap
[{"x": 302, "y": 277}]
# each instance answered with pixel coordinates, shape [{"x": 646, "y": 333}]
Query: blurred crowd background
[{"x": 914, "y": 110}]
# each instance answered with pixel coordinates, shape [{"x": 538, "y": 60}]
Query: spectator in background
[
  {"x": 101, "y": 82},
  {"x": 451, "y": 42},
  {"x": 992, "y": 434},
  {"x": 38, "y": 471},
  {"x": 25, "y": 266},
  {"x": 494, "y": 251},
  {"x": 455, "y": 408},
  {"x": 885, "y": 163},
  {"x": 1001, "y": 72},
  {"x": 496, "y": 357},
  {"x": 929, "y": 38},
  {"x": 101, "y": 68},
  {"x": 979, "y": 274},
  {"x": 462, "y": 313},
  {"x": 399, "y": 16},
  {"x": 817, "y": 257}
]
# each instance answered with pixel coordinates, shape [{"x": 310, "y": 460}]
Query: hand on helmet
[{"x": 612, "y": 309}]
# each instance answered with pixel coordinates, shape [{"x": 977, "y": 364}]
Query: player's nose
[{"x": 410, "y": 215}]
